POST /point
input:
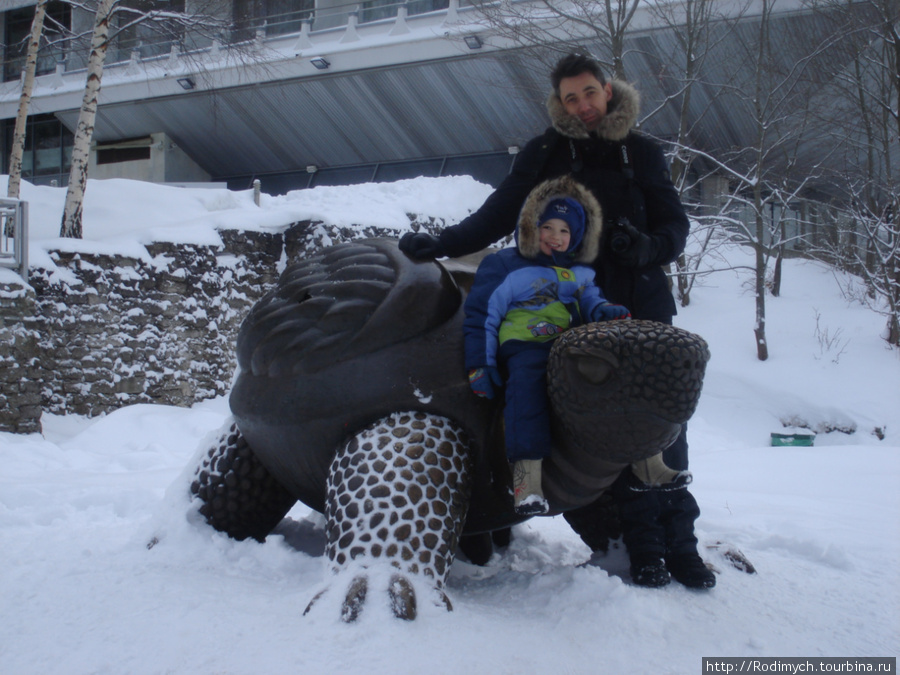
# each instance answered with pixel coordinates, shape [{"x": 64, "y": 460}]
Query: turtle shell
[{"x": 346, "y": 337}]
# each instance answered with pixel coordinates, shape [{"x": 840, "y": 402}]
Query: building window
[
  {"x": 394, "y": 171},
  {"x": 116, "y": 155},
  {"x": 57, "y": 24},
  {"x": 373, "y": 10},
  {"x": 275, "y": 17},
  {"x": 491, "y": 168},
  {"x": 153, "y": 37},
  {"x": 48, "y": 149}
]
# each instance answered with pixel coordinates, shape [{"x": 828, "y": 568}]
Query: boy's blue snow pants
[{"x": 527, "y": 408}]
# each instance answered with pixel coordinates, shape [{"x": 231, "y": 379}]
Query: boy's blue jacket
[{"x": 521, "y": 294}]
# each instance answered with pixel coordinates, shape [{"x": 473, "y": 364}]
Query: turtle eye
[{"x": 594, "y": 370}]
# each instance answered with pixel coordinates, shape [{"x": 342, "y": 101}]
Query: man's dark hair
[{"x": 572, "y": 65}]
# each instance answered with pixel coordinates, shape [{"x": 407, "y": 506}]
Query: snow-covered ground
[{"x": 81, "y": 592}]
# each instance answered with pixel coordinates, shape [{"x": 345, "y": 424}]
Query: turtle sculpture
[{"x": 352, "y": 397}]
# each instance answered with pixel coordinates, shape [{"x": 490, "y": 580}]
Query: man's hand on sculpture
[{"x": 421, "y": 246}]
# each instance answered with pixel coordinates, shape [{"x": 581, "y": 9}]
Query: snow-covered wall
[
  {"x": 104, "y": 331},
  {"x": 20, "y": 362}
]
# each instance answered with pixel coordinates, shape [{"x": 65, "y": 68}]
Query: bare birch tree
[
  {"x": 84, "y": 129},
  {"x": 18, "y": 143},
  {"x": 193, "y": 24}
]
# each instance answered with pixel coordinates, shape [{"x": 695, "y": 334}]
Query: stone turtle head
[{"x": 620, "y": 392}]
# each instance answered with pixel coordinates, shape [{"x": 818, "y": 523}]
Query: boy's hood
[{"x": 527, "y": 230}]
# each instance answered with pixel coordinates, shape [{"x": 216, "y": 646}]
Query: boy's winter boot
[
  {"x": 528, "y": 498},
  {"x": 690, "y": 570},
  {"x": 649, "y": 570},
  {"x": 653, "y": 474}
]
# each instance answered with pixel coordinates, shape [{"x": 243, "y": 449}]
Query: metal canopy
[{"x": 423, "y": 110}]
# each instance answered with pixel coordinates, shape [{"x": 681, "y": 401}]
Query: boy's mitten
[
  {"x": 608, "y": 311},
  {"x": 485, "y": 381},
  {"x": 421, "y": 246}
]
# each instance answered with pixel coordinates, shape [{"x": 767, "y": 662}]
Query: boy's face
[{"x": 554, "y": 236}]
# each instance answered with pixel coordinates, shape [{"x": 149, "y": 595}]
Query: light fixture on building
[
  {"x": 319, "y": 62},
  {"x": 312, "y": 168},
  {"x": 513, "y": 149},
  {"x": 473, "y": 41},
  {"x": 186, "y": 83}
]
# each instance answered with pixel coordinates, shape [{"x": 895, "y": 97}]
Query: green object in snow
[{"x": 794, "y": 439}]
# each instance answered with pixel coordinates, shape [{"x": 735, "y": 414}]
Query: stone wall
[
  {"x": 20, "y": 358},
  {"x": 104, "y": 331}
]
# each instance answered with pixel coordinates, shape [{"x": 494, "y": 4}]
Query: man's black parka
[{"x": 634, "y": 184}]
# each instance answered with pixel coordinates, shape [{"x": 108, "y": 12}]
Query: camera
[{"x": 620, "y": 240}]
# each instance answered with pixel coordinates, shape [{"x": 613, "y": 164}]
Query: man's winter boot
[
  {"x": 690, "y": 570},
  {"x": 597, "y": 523},
  {"x": 649, "y": 570},
  {"x": 528, "y": 497},
  {"x": 653, "y": 474}
]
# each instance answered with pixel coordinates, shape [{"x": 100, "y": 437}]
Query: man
[{"x": 645, "y": 227}]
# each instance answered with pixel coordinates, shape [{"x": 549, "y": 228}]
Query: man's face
[{"x": 584, "y": 97}]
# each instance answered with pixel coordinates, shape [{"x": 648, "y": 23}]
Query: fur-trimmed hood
[
  {"x": 621, "y": 115},
  {"x": 527, "y": 237}
]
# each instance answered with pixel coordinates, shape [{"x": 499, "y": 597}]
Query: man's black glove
[
  {"x": 632, "y": 247},
  {"x": 421, "y": 246}
]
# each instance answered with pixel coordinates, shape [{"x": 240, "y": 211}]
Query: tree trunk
[
  {"x": 684, "y": 287},
  {"x": 894, "y": 301},
  {"x": 762, "y": 344},
  {"x": 84, "y": 131},
  {"x": 18, "y": 144},
  {"x": 776, "y": 273},
  {"x": 617, "y": 18}
]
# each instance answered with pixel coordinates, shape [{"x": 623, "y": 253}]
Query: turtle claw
[
  {"x": 401, "y": 593},
  {"x": 403, "y": 598},
  {"x": 314, "y": 601},
  {"x": 354, "y": 600}
]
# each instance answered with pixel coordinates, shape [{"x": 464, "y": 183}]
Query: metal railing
[
  {"x": 157, "y": 44},
  {"x": 14, "y": 235}
]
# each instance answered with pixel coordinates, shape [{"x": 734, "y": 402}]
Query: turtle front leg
[{"x": 397, "y": 496}]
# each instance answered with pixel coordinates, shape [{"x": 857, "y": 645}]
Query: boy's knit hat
[{"x": 569, "y": 211}]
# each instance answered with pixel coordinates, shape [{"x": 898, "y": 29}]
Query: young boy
[{"x": 521, "y": 299}]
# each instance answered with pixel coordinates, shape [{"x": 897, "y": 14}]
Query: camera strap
[
  {"x": 625, "y": 162},
  {"x": 626, "y": 166},
  {"x": 577, "y": 163},
  {"x": 634, "y": 192}
]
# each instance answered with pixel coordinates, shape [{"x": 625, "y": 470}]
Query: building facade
[{"x": 299, "y": 93}]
